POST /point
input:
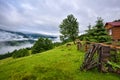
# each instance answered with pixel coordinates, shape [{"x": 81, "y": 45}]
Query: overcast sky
[{"x": 44, "y": 16}]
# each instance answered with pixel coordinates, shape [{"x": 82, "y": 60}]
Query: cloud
[{"x": 46, "y": 15}]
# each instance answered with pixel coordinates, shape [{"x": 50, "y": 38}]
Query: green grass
[{"x": 61, "y": 63}]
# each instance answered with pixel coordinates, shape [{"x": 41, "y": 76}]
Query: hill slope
[{"x": 61, "y": 63}]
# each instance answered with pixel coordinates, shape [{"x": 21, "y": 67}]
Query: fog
[
  {"x": 6, "y": 46},
  {"x": 4, "y": 49}
]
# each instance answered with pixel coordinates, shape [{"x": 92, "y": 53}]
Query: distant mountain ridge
[{"x": 6, "y": 35}]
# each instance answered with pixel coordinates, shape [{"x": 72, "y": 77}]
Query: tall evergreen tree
[
  {"x": 98, "y": 33},
  {"x": 69, "y": 28},
  {"x": 99, "y": 23},
  {"x": 101, "y": 33}
]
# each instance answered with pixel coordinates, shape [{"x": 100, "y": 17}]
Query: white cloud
[
  {"x": 46, "y": 15},
  {"x": 27, "y": 6}
]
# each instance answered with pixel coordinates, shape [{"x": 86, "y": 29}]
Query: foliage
[
  {"x": 41, "y": 45},
  {"x": 114, "y": 65},
  {"x": 20, "y": 53},
  {"x": 6, "y": 55},
  {"x": 14, "y": 53},
  {"x": 69, "y": 29},
  {"x": 97, "y": 34}
]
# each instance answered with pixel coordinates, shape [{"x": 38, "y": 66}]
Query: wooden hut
[{"x": 113, "y": 29}]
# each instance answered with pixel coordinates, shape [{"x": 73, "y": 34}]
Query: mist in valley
[
  {"x": 11, "y": 40},
  {"x": 7, "y": 48}
]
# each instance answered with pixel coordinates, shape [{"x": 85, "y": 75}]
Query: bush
[
  {"x": 20, "y": 53},
  {"x": 41, "y": 45},
  {"x": 6, "y": 55}
]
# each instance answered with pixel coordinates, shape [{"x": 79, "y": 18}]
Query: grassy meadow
[{"x": 60, "y": 63}]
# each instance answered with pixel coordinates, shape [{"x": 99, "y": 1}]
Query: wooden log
[{"x": 106, "y": 55}]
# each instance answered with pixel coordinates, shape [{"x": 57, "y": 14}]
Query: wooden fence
[{"x": 99, "y": 55}]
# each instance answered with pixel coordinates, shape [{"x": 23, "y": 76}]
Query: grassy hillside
[{"x": 61, "y": 63}]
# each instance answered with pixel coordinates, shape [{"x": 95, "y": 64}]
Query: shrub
[
  {"x": 6, "y": 55},
  {"x": 41, "y": 45},
  {"x": 20, "y": 53}
]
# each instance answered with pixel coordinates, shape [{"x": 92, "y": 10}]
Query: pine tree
[{"x": 98, "y": 33}]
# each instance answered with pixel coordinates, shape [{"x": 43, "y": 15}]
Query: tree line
[{"x": 69, "y": 29}]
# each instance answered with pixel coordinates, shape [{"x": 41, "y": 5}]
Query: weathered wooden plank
[{"x": 104, "y": 56}]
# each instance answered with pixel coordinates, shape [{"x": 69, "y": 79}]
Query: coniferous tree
[
  {"x": 101, "y": 33},
  {"x": 98, "y": 33}
]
